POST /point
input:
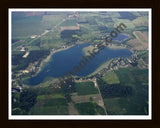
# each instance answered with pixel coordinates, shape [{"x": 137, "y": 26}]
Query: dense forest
[
  {"x": 24, "y": 101},
  {"x": 114, "y": 90},
  {"x": 22, "y": 63}
]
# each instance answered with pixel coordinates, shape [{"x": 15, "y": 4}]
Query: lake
[
  {"x": 120, "y": 37},
  {"x": 64, "y": 61}
]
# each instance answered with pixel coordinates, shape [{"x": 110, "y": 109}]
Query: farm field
[
  {"x": 111, "y": 78},
  {"x": 69, "y": 23},
  {"x": 86, "y": 88},
  {"x": 54, "y": 106},
  {"x": 85, "y": 98},
  {"x": 127, "y": 102},
  {"x": 141, "y": 21},
  {"x": 141, "y": 41},
  {"x": 50, "y": 21},
  {"x": 89, "y": 108},
  {"x": 22, "y": 26}
]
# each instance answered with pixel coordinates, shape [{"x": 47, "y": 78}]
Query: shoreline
[
  {"x": 44, "y": 61},
  {"x": 116, "y": 47},
  {"x": 47, "y": 59},
  {"x": 102, "y": 66}
]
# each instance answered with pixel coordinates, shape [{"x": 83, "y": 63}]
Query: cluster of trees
[
  {"x": 24, "y": 101},
  {"x": 103, "y": 29},
  {"x": 14, "y": 40},
  {"x": 27, "y": 99},
  {"x": 66, "y": 34},
  {"x": 72, "y": 35},
  {"x": 114, "y": 90},
  {"x": 16, "y": 58},
  {"x": 68, "y": 86},
  {"x": 91, "y": 20},
  {"x": 22, "y": 63}
]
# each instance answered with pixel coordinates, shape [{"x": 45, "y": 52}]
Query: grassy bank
[{"x": 104, "y": 65}]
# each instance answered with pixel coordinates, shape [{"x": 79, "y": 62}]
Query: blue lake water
[
  {"x": 120, "y": 37},
  {"x": 64, "y": 61}
]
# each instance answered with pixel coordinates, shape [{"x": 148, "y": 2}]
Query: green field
[
  {"x": 50, "y": 21},
  {"x": 111, "y": 78},
  {"x": 144, "y": 55},
  {"x": 50, "y": 40},
  {"x": 86, "y": 88},
  {"x": 132, "y": 96},
  {"x": 135, "y": 105},
  {"x": 26, "y": 26},
  {"x": 134, "y": 76},
  {"x": 141, "y": 21},
  {"x": 127, "y": 22},
  {"x": 54, "y": 96},
  {"x": 52, "y": 106},
  {"x": 125, "y": 76},
  {"x": 89, "y": 108},
  {"x": 69, "y": 23},
  {"x": 50, "y": 110}
]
